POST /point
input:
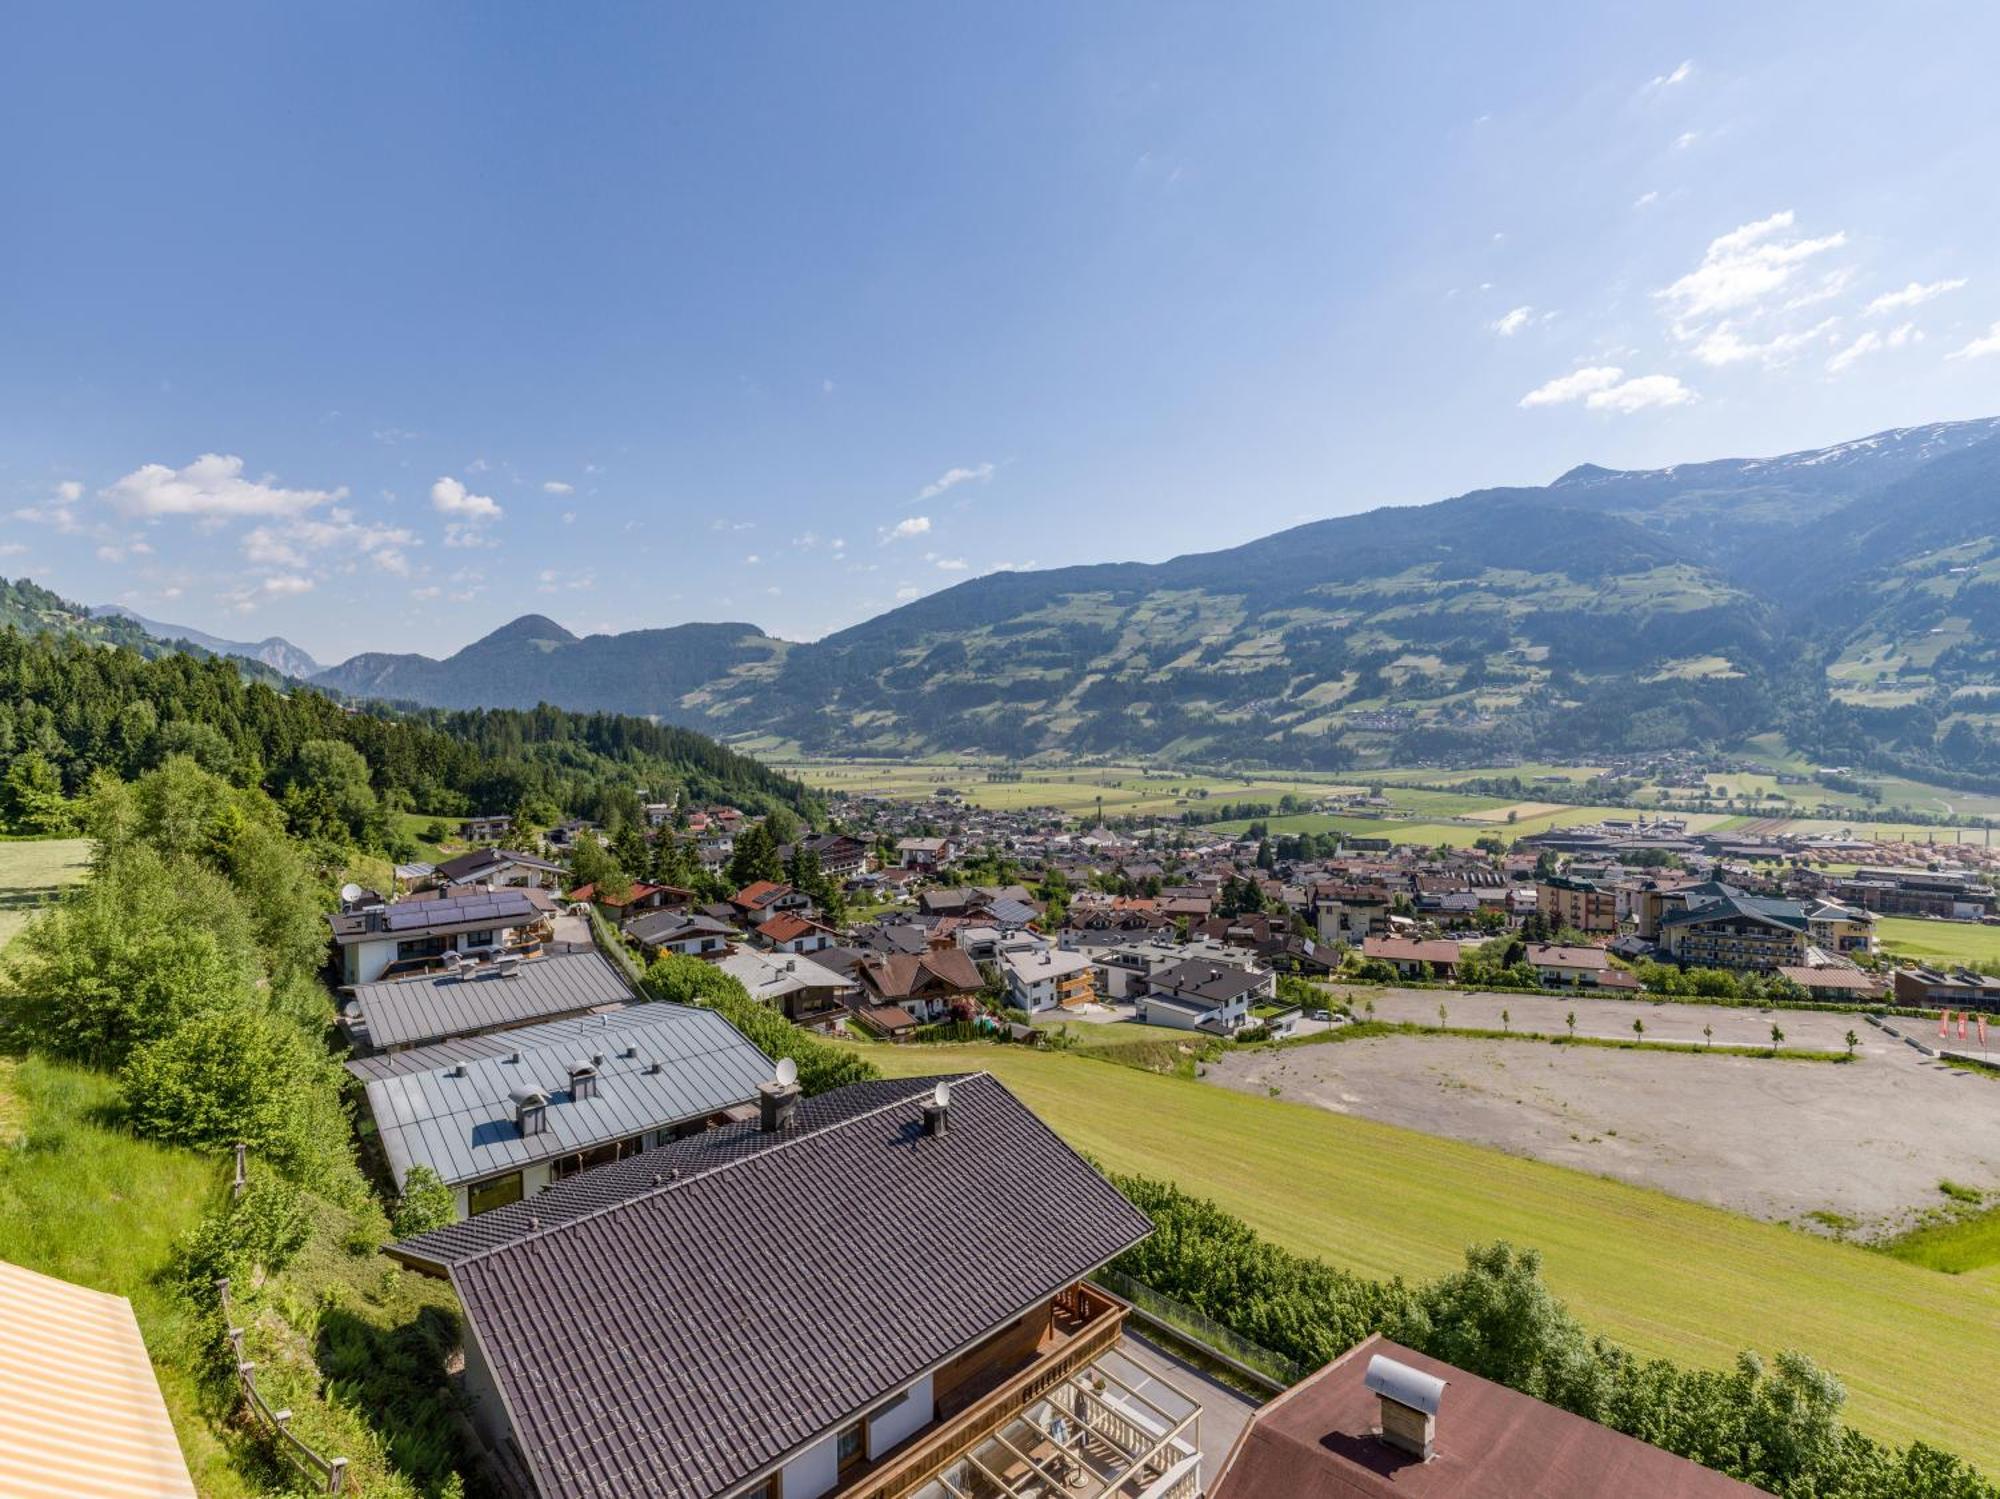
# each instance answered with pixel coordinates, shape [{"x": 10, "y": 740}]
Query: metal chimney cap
[{"x": 1404, "y": 1385}]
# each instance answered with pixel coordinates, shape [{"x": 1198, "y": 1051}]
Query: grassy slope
[
  {"x": 91, "y": 1204},
  {"x": 1939, "y": 941},
  {"x": 31, "y": 873},
  {"x": 1665, "y": 1276}
]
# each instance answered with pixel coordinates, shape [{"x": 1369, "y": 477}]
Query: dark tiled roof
[{"x": 675, "y": 1343}]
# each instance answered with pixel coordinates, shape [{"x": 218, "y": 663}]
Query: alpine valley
[{"x": 1848, "y": 595}]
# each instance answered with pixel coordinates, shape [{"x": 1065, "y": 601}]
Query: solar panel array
[{"x": 496, "y": 906}]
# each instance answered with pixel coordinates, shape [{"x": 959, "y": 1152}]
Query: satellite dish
[
  {"x": 788, "y": 1072},
  {"x": 349, "y": 893},
  {"x": 941, "y": 1095}
]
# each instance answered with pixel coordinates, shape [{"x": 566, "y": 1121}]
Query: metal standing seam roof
[
  {"x": 676, "y": 1343},
  {"x": 400, "y": 1012},
  {"x": 80, "y": 1410},
  {"x": 464, "y": 1128}
]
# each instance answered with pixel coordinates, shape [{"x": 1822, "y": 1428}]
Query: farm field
[
  {"x": 32, "y": 873},
  {"x": 1127, "y": 790},
  {"x": 1940, "y": 941},
  {"x": 1666, "y": 1277}
]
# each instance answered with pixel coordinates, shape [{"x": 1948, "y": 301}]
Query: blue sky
[{"x": 376, "y": 326}]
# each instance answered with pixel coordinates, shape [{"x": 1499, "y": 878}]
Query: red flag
[
  {"x": 1944, "y": 1024},
  {"x": 1982, "y": 1033},
  {"x": 1961, "y": 1023}
]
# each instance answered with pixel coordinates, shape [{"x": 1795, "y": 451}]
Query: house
[
  {"x": 922, "y": 985},
  {"x": 501, "y": 1116},
  {"x": 840, "y": 857},
  {"x": 413, "y": 935},
  {"x": 1840, "y": 982},
  {"x": 1347, "y": 912},
  {"x": 1841, "y": 930},
  {"x": 766, "y": 898},
  {"x": 1576, "y": 905},
  {"x": 1048, "y": 980},
  {"x": 1413, "y": 957},
  {"x": 1201, "y": 995},
  {"x": 805, "y": 992},
  {"x": 495, "y": 868},
  {"x": 1718, "y": 926},
  {"x": 1931, "y": 988},
  {"x": 1385, "y": 1422},
  {"x": 81, "y": 1415},
  {"x": 926, "y": 854},
  {"x": 676, "y": 1326},
  {"x": 641, "y": 897},
  {"x": 474, "y": 999},
  {"x": 1559, "y": 967},
  {"x": 486, "y": 829},
  {"x": 564, "y": 835},
  {"x": 790, "y": 932},
  {"x": 689, "y": 934},
  {"x": 1951, "y": 895}
]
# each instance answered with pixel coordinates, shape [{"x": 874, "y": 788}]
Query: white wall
[
  {"x": 812, "y": 1472},
  {"x": 909, "y": 1415}
]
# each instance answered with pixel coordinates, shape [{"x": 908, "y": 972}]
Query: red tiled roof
[
  {"x": 1410, "y": 949},
  {"x": 1318, "y": 1441}
]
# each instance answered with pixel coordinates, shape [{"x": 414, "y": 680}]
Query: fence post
[
  {"x": 336, "y": 1476},
  {"x": 242, "y": 1178}
]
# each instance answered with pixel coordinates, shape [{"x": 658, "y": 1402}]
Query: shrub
[
  {"x": 822, "y": 1066},
  {"x": 426, "y": 1204}
]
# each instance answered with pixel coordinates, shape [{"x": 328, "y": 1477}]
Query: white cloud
[
  {"x": 69, "y": 491},
  {"x": 285, "y": 584},
  {"x": 1645, "y": 199},
  {"x": 951, "y": 478},
  {"x": 1574, "y": 386},
  {"x": 752, "y": 560},
  {"x": 556, "y": 486},
  {"x": 1869, "y": 342},
  {"x": 289, "y": 543},
  {"x": 1679, "y": 75},
  {"x": 1979, "y": 348},
  {"x": 907, "y": 592},
  {"x": 1685, "y": 139},
  {"x": 1740, "y": 270},
  {"x": 13, "y": 548},
  {"x": 450, "y": 497},
  {"x": 211, "y": 486},
  {"x": 1605, "y": 388},
  {"x": 1640, "y": 393},
  {"x": 903, "y": 530},
  {"x": 1723, "y": 345},
  {"x": 947, "y": 564},
  {"x": 428, "y": 591},
  {"x": 1513, "y": 322},
  {"x": 1914, "y": 295},
  {"x": 720, "y": 523}
]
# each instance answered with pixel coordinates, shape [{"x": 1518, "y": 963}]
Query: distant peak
[
  {"x": 529, "y": 627},
  {"x": 1585, "y": 473}
]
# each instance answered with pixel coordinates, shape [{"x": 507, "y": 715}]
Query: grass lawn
[
  {"x": 1958, "y": 1247},
  {"x": 1939, "y": 941},
  {"x": 32, "y": 873},
  {"x": 1666, "y": 1277},
  {"x": 1085, "y": 1036}
]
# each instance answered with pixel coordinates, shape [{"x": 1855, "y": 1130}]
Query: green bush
[
  {"x": 426, "y": 1204},
  {"x": 254, "y": 1236}
]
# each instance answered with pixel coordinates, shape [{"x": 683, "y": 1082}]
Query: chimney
[
  {"x": 530, "y": 1111},
  {"x": 582, "y": 1082},
  {"x": 1409, "y": 1399},
  {"x": 937, "y": 1113},
  {"x": 776, "y": 1104}
]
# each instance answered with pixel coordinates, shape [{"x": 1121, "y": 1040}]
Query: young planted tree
[
  {"x": 1570, "y": 1021},
  {"x": 1639, "y": 1028},
  {"x": 1777, "y": 1038},
  {"x": 1852, "y": 1042}
]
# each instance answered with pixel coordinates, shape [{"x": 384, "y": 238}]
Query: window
[
  {"x": 494, "y": 1192},
  {"x": 848, "y": 1450}
]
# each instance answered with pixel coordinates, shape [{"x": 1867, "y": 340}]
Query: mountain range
[
  {"x": 274, "y": 651},
  {"x": 1849, "y": 595}
]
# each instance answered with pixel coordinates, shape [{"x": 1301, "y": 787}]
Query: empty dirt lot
[{"x": 1867, "y": 1141}]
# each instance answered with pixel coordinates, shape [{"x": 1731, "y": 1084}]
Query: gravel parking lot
[{"x": 1867, "y": 1141}]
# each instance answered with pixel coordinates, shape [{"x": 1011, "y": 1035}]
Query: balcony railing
[{"x": 902, "y": 1472}]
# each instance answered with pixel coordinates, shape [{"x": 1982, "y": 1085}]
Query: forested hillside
[{"x": 70, "y": 709}]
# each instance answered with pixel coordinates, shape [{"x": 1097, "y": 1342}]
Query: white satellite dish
[
  {"x": 349, "y": 893},
  {"x": 788, "y": 1072},
  {"x": 941, "y": 1095}
]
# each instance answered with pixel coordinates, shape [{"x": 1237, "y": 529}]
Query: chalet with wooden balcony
[{"x": 878, "y": 1293}]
